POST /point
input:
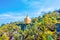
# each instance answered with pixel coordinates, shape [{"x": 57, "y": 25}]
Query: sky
[{"x": 16, "y": 10}]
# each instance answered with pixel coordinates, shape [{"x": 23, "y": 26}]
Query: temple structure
[{"x": 27, "y": 20}]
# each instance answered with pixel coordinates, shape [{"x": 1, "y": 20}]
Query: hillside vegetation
[{"x": 41, "y": 28}]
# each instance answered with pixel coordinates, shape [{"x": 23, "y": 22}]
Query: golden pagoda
[{"x": 27, "y": 20}]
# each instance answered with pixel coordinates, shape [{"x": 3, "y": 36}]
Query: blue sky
[{"x": 16, "y": 10}]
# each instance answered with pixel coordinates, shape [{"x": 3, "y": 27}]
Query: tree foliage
[{"x": 39, "y": 29}]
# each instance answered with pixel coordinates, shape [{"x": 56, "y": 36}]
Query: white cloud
[
  {"x": 10, "y": 16},
  {"x": 33, "y": 4},
  {"x": 5, "y": 15},
  {"x": 43, "y": 10},
  {"x": 7, "y": 18},
  {"x": 40, "y": 5}
]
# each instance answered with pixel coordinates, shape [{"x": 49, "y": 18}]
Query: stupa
[{"x": 27, "y": 20}]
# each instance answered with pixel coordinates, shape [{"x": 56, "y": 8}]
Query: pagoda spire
[
  {"x": 27, "y": 15},
  {"x": 27, "y": 20}
]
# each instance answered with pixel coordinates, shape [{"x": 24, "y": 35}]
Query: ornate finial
[{"x": 27, "y": 15}]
